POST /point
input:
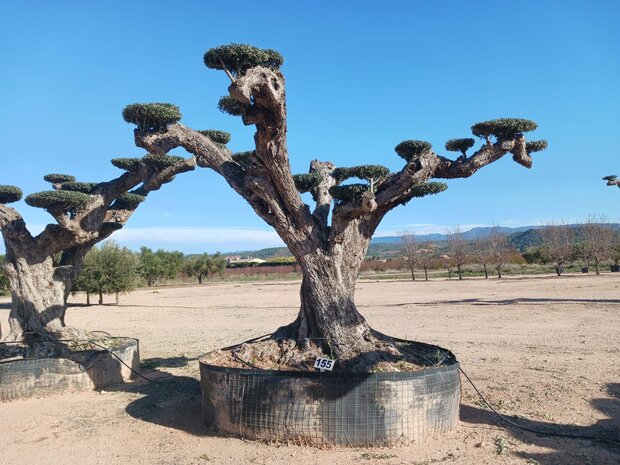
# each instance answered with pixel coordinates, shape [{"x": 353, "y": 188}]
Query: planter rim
[{"x": 399, "y": 375}]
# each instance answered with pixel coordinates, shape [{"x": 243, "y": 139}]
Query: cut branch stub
[
  {"x": 502, "y": 128},
  {"x": 374, "y": 172},
  {"x": 348, "y": 192},
  {"x": 535, "y": 146},
  {"x": 151, "y": 117},
  {"x": 219, "y": 137},
  {"x": 58, "y": 200},
  {"x": 307, "y": 182},
  {"x": 127, "y": 164},
  {"x": 10, "y": 194},
  {"x": 229, "y": 105},
  {"x": 85, "y": 187},
  {"x": 238, "y": 58},
  {"x": 460, "y": 145},
  {"x": 409, "y": 149},
  {"x": 56, "y": 178}
]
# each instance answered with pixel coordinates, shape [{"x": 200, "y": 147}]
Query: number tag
[{"x": 324, "y": 364}]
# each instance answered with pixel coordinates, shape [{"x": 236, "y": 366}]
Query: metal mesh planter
[
  {"x": 82, "y": 370},
  {"x": 375, "y": 409}
]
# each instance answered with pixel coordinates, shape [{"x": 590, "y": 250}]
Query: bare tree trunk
[
  {"x": 486, "y": 273},
  {"x": 87, "y": 298},
  {"x": 117, "y": 301},
  {"x": 499, "y": 272},
  {"x": 412, "y": 274},
  {"x": 199, "y": 279},
  {"x": 425, "y": 273},
  {"x": 39, "y": 293},
  {"x": 596, "y": 266},
  {"x": 100, "y": 298},
  {"x": 458, "y": 269}
]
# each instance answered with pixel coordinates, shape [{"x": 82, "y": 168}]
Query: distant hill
[{"x": 391, "y": 246}]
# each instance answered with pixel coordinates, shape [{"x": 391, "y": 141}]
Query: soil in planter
[{"x": 379, "y": 353}]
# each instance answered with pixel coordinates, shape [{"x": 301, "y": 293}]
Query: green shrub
[
  {"x": 219, "y": 137},
  {"x": 9, "y": 194},
  {"x": 152, "y": 117},
  {"x": 238, "y": 58},
  {"x": 409, "y": 149},
  {"x": 55, "y": 178},
  {"x": 62, "y": 200},
  {"x": 503, "y": 128},
  {"x": 375, "y": 172}
]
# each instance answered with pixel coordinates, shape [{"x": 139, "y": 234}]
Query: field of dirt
[{"x": 544, "y": 350}]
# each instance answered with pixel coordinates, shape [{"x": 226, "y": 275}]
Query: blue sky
[{"x": 361, "y": 77}]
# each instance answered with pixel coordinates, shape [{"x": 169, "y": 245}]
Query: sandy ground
[{"x": 544, "y": 350}]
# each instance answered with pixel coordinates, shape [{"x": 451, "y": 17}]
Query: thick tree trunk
[{"x": 39, "y": 294}]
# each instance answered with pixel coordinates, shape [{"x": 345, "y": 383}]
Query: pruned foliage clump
[
  {"x": 127, "y": 164},
  {"x": 238, "y": 58},
  {"x": 219, "y": 137},
  {"x": 9, "y": 194},
  {"x": 502, "y": 128},
  {"x": 409, "y": 149},
  {"x": 307, "y": 182},
  {"x": 229, "y": 105},
  {"x": 161, "y": 161},
  {"x": 243, "y": 158},
  {"x": 56, "y": 178},
  {"x": 535, "y": 146},
  {"x": 152, "y": 117},
  {"x": 128, "y": 201},
  {"x": 611, "y": 177},
  {"x": 85, "y": 187},
  {"x": 375, "y": 172},
  {"x": 348, "y": 192},
  {"x": 58, "y": 200},
  {"x": 460, "y": 145}
]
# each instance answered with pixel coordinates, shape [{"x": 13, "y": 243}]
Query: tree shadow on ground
[
  {"x": 168, "y": 400},
  {"x": 566, "y": 449}
]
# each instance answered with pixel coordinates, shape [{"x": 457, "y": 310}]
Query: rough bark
[
  {"x": 329, "y": 254},
  {"x": 43, "y": 269}
]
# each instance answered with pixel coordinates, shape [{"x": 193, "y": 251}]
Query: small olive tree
[
  {"x": 158, "y": 265},
  {"x": 42, "y": 269},
  {"x": 330, "y": 238},
  {"x": 203, "y": 266}
]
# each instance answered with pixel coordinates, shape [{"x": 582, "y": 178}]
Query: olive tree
[
  {"x": 42, "y": 269},
  {"x": 457, "y": 249},
  {"x": 329, "y": 238},
  {"x": 203, "y": 266},
  {"x": 160, "y": 264}
]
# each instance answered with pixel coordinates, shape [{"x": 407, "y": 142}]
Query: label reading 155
[{"x": 324, "y": 364}]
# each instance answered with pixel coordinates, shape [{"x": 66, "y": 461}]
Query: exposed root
[{"x": 377, "y": 353}]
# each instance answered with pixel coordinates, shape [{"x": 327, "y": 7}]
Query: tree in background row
[
  {"x": 203, "y": 266},
  {"x": 155, "y": 266},
  {"x": 330, "y": 238},
  {"x": 598, "y": 241},
  {"x": 109, "y": 269},
  {"x": 457, "y": 249},
  {"x": 42, "y": 269},
  {"x": 558, "y": 244},
  {"x": 411, "y": 250},
  {"x": 499, "y": 250}
]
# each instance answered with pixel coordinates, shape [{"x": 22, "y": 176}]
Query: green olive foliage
[
  {"x": 128, "y": 201},
  {"x": 307, "y": 181},
  {"x": 503, "y": 128},
  {"x": 219, "y": 137},
  {"x": 85, "y": 187},
  {"x": 409, "y": 149},
  {"x": 151, "y": 117},
  {"x": 611, "y": 177},
  {"x": 460, "y": 145},
  {"x": 127, "y": 164},
  {"x": 229, "y": 105},
  {"x": 535, "y": 146},
  {"x": 243, "y": 158},
  {"x": 159, "y": 265},
  {"x": 204, "y": 265},
  {"x": 376, "y": 172},
  {"x": 56, "y": 178},
  {"x": 161, "y": 161},
  {"x": 9, "y": 194},
  {"x": 58, "y": 200},
  {"x": 238, "y": 58},
  {"x": 348, "y": 192}
]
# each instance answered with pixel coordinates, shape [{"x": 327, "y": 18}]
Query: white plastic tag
[{"x": 324, "y": 364}]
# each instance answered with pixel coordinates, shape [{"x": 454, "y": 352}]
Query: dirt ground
[{"x": 544, "y": 350}]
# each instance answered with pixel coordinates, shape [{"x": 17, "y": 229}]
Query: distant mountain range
[{"x": 391, "y": 246}]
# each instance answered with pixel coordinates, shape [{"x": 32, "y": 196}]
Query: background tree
[
  {"x": 499, "y": 249},
  {"x": 480, "y": 252},
  {"x": 109, "y": 269},
  {"x": 457, "y": 249},
  {"x": 558, "y": 244},
  {"x": 203, "y": 266},
  {"x": 42, "y": 269},
  {"x": 598, "y": 240},
  {"x": 4, "y": 280},
  {"x": 330, "y": 238},
  {"x": 162, "y": 264},
  {"x": 411, "y": 251}
]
